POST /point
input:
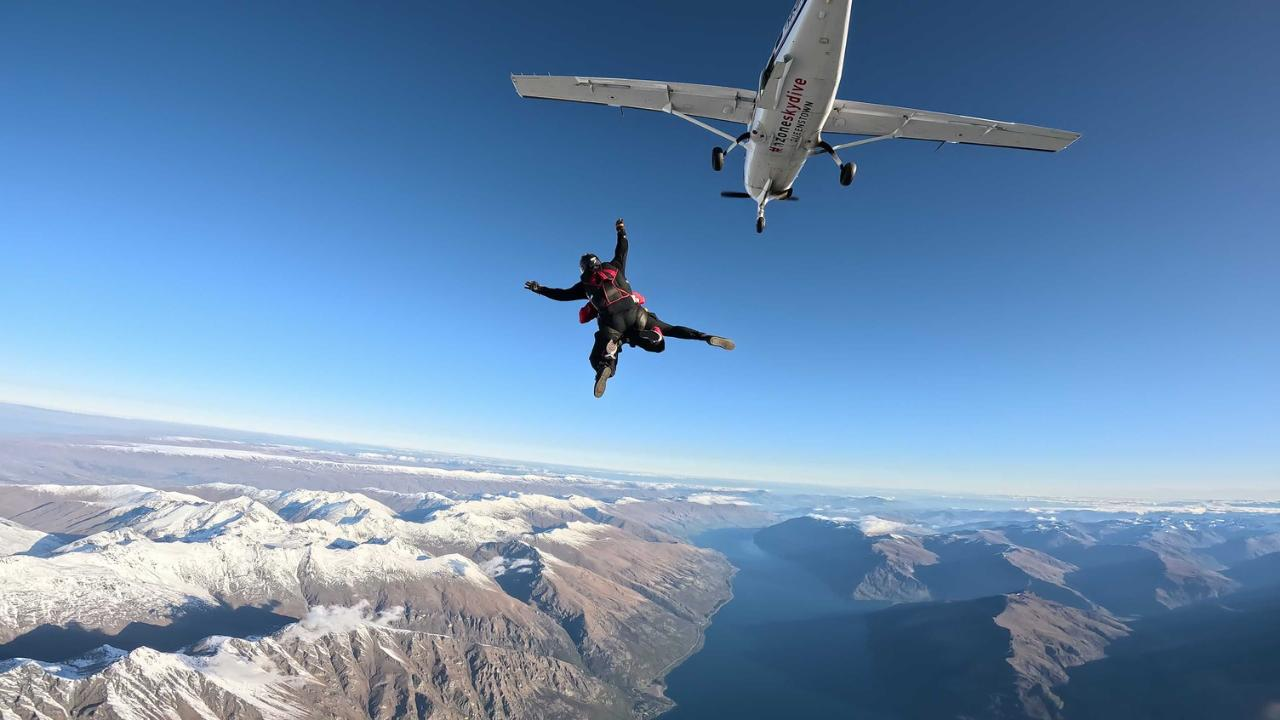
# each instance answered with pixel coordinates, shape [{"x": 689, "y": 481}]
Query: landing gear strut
[
  {"x": 847, "y": 169},
  {"x": 718, "y": 153},
  {"x": 761, "y": 201}
]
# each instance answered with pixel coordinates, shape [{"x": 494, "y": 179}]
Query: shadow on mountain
[
  {"x": 840, "y": 555},
  {"x": 52, "y": 643},
  {"x": 1121, "y": 578},
  {"x": 1219, "y": 660},
  {"x": 1056, "y": 593},
  {"x": 46, "y": 545},
  {"x": 418, "y": 515},
  {"x": 971, "y": 570},
  {"x": 1260, "y": 572},
  {"x": 908, "y": 662},
  {"x": 942, "y": 660}
]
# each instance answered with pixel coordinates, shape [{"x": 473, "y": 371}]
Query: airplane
[{"x": 793, "y": 109}]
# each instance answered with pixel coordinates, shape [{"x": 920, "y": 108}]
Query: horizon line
[{"x": 836, "y": 490}]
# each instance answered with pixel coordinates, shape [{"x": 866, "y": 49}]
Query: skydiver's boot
[
  {"x": 602, "y": 376},
  {"x": 607, "y": 365},
  {"x": 720, "y": 342}
]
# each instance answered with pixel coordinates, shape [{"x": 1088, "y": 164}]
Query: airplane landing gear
[
  {"x": 847, "y": 169},
  {"x": 718, "y": 153},
  {"x": 760, "y": 223},
  {"x": 847, "y": 172}
]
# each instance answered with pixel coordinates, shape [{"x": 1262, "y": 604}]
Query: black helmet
[{"x": 589, "y": 263}]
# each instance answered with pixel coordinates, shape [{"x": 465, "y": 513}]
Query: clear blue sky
[{"x": 316, "y": 218}]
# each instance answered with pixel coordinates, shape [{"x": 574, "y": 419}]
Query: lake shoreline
[
  {"x": 773, "y": 648},
  {"x": 661, "y": 682}
]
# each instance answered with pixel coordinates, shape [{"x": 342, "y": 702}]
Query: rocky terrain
[
  {"x": 1129, "y": 567},
  {"x": 437, "y": 604},
  {"x": 1054, "y": 619},
  {"x": 336, "y": 663},
  {"x": 189, "y": 573},
  {"x": 896, "y": 567}
]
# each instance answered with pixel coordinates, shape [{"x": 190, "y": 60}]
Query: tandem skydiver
[{"x": 619, "y": 312}]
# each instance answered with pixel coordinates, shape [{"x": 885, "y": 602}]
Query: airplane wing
[
  {"x": 706, "y": 101},
  {"x": 859, "y": 118}
]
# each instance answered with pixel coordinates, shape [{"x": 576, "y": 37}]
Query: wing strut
[
  {"x": 864, "y": 141},
  {"x": 891, "y": 136},
  {"x": 709, "y": 128}
]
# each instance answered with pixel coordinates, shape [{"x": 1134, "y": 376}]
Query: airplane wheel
[
  {"x": 717, "y": 158},
  {"x": 846, "y": 173},
  {"x": 760, "y": 224}
]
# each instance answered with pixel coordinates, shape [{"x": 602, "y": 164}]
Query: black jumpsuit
[{"x": 621, "y": 318}]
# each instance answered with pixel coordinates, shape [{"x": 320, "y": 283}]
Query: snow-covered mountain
[
  {"x": 15, "y": 538},
  {"x": 602, "y": 609},
  {"x": 337, "y": 662}
]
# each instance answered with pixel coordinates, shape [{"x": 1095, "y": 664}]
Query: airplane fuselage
[
  {"x": 795, "y": 101},
  {"x": 797, "y": 91}
]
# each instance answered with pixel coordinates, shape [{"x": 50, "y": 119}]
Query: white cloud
[
  {"x": 713, "y": 499},
  {"x": 323, "y": 620},
  {"x": 872, "y": 525},
  {"x": 1139, "y": 507}
]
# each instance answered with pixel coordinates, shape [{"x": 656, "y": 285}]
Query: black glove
[
  {"x": 533, "y": 285},
  {"x": 620, "y": 226}
]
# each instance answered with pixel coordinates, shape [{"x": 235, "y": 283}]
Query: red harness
[{"x": 599, "y": 279}]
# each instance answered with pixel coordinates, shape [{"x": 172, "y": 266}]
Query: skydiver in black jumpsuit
[{"x": 620, "y": 316}]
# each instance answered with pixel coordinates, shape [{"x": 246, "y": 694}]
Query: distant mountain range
[
  {"x": 1056, "y": 620},
  {"x": 156, "y": 571}
]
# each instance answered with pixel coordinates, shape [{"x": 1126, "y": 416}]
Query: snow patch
[
  {"x": 574, "y": 534},
  {"x": 15, "y": 538},
  {"x": 460, "y": 567},
  {"x": 121, "y": 493},
  {"x": 247, "y": 676},
  {"x": 79, "y": 668},
  {"x": 342, "y": 508},
  {"x": 499, "y": 566}
]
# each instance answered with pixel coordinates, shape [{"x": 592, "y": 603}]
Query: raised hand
[
  {"x": 620, "y": 226},
  {"x": 533, "y": 285}
]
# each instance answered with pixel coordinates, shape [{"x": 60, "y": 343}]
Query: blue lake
[
  {"x": 785, "y": 646},
  {"x": 52, "y": 643}
]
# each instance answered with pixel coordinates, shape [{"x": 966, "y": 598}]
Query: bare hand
[{"x": 533, "y": 285}]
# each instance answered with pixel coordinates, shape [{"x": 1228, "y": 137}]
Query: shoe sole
[
  {"x": 601, "y": 380},
  {"x": 720, "y": 342}
]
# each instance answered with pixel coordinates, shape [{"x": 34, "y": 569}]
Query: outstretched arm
[
  {"x": 620, "y": 252},
  {"x": 577, "y": 292}
]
